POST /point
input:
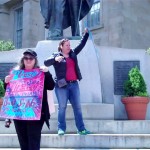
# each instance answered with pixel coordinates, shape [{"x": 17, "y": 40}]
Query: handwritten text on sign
[{"x": 23, "y": 97}]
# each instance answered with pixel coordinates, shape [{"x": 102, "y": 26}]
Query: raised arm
[{"x": 82, "y": 43}]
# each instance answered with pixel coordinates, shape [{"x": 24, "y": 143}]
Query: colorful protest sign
[{"x": 23, "y": 97}]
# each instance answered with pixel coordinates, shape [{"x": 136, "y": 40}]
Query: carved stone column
[
  {"x": 33, "y": 26},
  {"x": 4, "y": 24}
]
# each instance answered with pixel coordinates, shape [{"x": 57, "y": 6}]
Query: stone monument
[{"x": 59, "y": 15}]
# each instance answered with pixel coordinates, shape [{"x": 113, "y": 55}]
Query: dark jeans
[{"x": 29, "y": 133}]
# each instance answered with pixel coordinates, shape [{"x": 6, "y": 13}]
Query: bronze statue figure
[{"x": 60, "y": 14}]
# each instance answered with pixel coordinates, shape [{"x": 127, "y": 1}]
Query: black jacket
[
  {"x": 48, "y": 85},
  {"x": 60, "y": 67}
]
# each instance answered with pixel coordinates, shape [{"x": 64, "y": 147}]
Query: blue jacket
[{"x": 60, "y": 67}]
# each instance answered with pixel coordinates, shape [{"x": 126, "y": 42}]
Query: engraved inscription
[
  {"x": 121, "y": 70},
  {"x": 5, "y": 69}
]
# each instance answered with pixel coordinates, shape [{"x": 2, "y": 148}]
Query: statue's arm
[
  {"x": 82, "y": 43},
  {"x": 50, "y": 61}
]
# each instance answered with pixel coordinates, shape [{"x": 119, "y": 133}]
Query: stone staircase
[{"x": 107, "y": 134}]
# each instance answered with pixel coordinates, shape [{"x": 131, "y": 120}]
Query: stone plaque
[
  {"x": 121, "y": 70},
  {"x": 5, "y": 68}
]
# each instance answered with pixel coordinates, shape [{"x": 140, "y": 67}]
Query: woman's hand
[
  {"x": 8, "y": 78},
  {"x": 86, "y": 30},
  {"x": 44, "y": 68},
  {"x": 59, "y": 58}
]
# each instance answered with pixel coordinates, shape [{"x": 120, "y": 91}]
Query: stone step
[
  {"x": 57, "y": 149},
  {"x": 60, "y": 149},
  {"x": 90, "y": 111},
  {"x": 104, "y": 141},
  {"x": 96, "y": 126},
  {"x": 69, "y": 149}
]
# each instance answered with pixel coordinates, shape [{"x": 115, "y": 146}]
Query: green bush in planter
[
  {"x": 2, "y": 90},
  {"x": 135, "y": 85}
]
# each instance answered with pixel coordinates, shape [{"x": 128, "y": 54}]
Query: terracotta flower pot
[{"x": 136, "y": 107}]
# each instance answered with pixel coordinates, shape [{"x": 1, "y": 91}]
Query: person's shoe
[
  {"x": 7, "y": 123},
  {"x": 84, "y": 132},
  {"x": 61, "y": 132}
]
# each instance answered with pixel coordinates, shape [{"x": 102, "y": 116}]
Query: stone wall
[
  {"x": 107, "y": 57},
  {"x": 33, "y": 23},
  {"x": 4, "y": 25},
  {"x": 125, "y": 24}
]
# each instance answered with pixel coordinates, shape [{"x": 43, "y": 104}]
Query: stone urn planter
[{"x": 136, "y": 97}]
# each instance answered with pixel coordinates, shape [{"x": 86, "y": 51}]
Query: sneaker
[
  {"x": 61, "y": 132},
  {"x": 84, "y": 132}
]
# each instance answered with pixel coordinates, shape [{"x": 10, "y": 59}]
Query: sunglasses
[{"x": 28, "y": 58}]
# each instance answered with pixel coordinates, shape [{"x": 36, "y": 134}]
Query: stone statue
[{"x": 60, "y": 14}]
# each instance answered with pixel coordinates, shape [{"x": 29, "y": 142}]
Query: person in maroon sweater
[{"x": 67, "y": 73}]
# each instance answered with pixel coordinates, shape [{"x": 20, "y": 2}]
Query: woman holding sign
[
  {"x": 67, "y": 72},
  {"x": 29, "y": 104}
]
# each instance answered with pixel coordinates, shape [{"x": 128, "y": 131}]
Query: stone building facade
[
  {"x": 119, "y": 23},
  {"x": 21, "y": 22}
]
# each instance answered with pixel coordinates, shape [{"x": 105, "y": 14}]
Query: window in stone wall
[
  {"x": 18, "y": 27},
  {"x": 93, "y": 17}
]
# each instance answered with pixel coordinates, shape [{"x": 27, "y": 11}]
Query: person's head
[
  {"x": 28, "y": 60},
  {"x": 64, "y": 46}
]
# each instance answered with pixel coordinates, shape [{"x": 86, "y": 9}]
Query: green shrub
[
  {"x": 2, "y": 90},
  {"x": 6, "y": 46},
  {"x": 135, "y": 85}
]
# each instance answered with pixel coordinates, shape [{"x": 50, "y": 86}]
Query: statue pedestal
[{"x": 90, "y": 85}]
